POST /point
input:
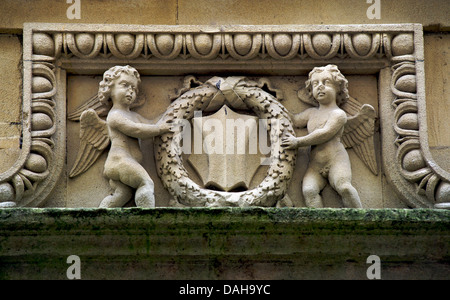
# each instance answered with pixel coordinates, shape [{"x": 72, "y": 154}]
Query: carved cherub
[
  {"x": 122, "y": 129},
  {"x": 330, "y": 132}
]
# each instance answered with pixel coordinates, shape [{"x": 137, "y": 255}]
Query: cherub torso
[
  {"x": 323, "y": 155},
  {"x": 122, "y": 145}
]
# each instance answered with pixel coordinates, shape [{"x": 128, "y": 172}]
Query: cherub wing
[
  {"x": 100, "y": 108},
  {"x": 359, "y": 132},
  {"x": 94, "y": 139},
  {"x": 92, "y": 103}
]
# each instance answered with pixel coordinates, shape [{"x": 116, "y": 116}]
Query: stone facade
[
  {"x": 384, "y": 64},
  {"x": 224, "y": 243},
  {"x": 200, "y": 67}
]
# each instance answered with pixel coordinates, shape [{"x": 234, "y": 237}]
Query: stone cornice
[{"x": 205, "y": 243}]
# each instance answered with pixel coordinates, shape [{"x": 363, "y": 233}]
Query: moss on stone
[
  {"x": 222, "y": 218},
  {"x": 202, "y": 243}
]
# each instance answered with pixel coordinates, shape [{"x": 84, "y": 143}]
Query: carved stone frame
[{"x": 395, "y": 52}]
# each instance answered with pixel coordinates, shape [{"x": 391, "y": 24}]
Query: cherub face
[
  {"x": 324, "y": 88},
  {"x": 124, "y": 89}
]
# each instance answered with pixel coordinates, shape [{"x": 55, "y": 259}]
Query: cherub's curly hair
[
  {"x": 342, "y": 95},
  {"x": 104, "y": 89}
]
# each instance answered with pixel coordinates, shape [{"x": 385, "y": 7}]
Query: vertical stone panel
[
  {"x": 437, "y": 70},
  {"x": 10, "y": 100}
]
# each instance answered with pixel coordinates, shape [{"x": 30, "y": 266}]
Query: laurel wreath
[{"x": 175, "y": 177}]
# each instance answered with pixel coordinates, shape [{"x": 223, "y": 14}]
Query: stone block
[
  {"x": 224, "y": 243},
  {"x": 15, "y": 13},
  {"x": 433, "y": 14},
  {"x": 10, "y": 102},
  {"x": 437, "y": 70}
]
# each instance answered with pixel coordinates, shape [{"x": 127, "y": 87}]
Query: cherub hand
[
  {"x": 165, "y": 128},
  {"x": 289, "y": 141}
]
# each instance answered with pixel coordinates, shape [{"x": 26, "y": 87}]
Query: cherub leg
[
  {"x": 145, "y": 194},
  {"x": 340, "y": 178},
  {"x": 313, "y": 184},
  {"x": 122, "y": 193},
  {"x": 134, "y": 175}
]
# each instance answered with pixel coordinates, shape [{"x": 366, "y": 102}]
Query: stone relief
[
  {"x": 237, "y": 93},
  {"x": 121, "y": 131},
  {"x": 393, "y": 52},
  {"x": 329, "y": 130},
  {"x": 326, "y": 87}
]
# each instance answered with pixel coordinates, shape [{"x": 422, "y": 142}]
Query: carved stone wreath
[{"x": 168, "y": 152}]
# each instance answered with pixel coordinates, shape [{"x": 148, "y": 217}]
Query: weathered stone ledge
[
  {"x": 224, "y": 243},
  {"x": 47, "y": 219}
]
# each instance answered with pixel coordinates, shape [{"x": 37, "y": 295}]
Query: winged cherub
[
  {"x": 330, "y": 132},
  {"x": 122, "y": 129}
]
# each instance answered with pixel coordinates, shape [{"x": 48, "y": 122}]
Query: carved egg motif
[
  {"x": 41, "y": 85},
  {"x": 36, "y": 163},
  {"x": 41, "y": 121},
  {"x": 322, "y": 43},
  {"x": 165, "y": 43},
  {"x": 43, "y": 44},
  {"x": 413, "y": 161},
  {"x": 242, "y": 43},
  {"x": 6, "y": 192},
  {"x": 125, "y": 43},
  {"x": 403, "y": 44},
  {"x": 282, "y": 43},
  {"x": 406, "y": 83},
  {"x": 203, "y": 43},
  {"x": 443, "y": 192},
  {"x": 408, "y": 121},
  {"x": 362, "y": 43},
  {"x": 85, "y": 42}
]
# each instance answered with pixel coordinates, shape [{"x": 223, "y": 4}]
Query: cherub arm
[
  {"x": 336, "y": 121},
  {"x": 144, "y": 120},
  {"x": 300, "y": 120},
  {"x": 136, "y": 129}
]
